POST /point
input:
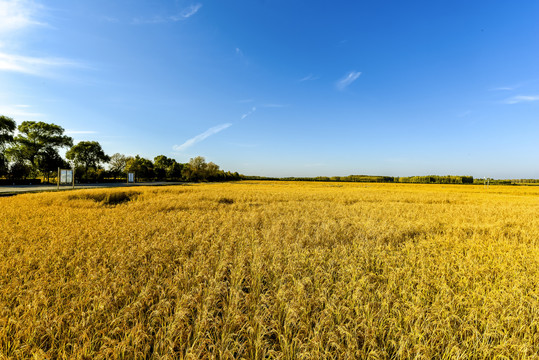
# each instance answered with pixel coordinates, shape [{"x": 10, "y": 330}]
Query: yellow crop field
[{"x": 271, "y": 270}]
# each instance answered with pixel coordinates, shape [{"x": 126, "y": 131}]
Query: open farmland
[{"x": 271, "y": 270}]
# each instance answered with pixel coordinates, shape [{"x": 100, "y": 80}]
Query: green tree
[
  {"x": 143, "y": 168},
  {"x": 36, "y": 139},
  {"x": 161, "y": 164},
  {"x": 87, "y": 154},
  {"x": 167, "y": 168},
  {"x": 196, "y": 169},
  {"x": 212, "y": 171},
  {"x": 3, "y": 165},
  {"x": 19, "y": 170},
  {"x": 175, "y": 170},
  {"x": 48, "y": 161},
  {"x": 117, "y": 164},
  {"x": 7, "y": 127},
  {"x": 199, "y": 170}
]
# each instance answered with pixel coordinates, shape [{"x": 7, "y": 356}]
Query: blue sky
[{"x": 285, "y": 88}]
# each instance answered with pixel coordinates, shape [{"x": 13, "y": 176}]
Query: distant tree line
[
  {"x": 349, "y": 178},
  {"x": 436, "y": 179},
  {"x": 524, "y": 181},
  {"x": 430, "y": 179},
  {"x": 34, "y": 153},
  {"x": 481, "y": 181}
]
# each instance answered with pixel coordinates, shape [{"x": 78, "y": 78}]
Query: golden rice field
[{"x": 278, "y": 270}]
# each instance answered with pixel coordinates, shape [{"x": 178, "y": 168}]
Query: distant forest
[
  {"x": 428, "y": 179},
  {"x": 32, "y": 155}
]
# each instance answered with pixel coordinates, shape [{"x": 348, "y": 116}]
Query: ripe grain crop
[{"x": 271, "y": 270}]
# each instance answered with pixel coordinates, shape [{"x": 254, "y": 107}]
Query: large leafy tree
[
  {"x": 88, "y": 154},
  {"x": 168, "y": 168},
  {"x": 49, "y": 161},
  {"x": 7, "y": 127},
  {"x": 117, "y": 164},
  {"x": 198, "y": 169},
  {"x": 143, "y": 168},
  {"x": 212, "y": 171},
  {"x": 160, "y": 165},
  {"x": 19, "y": 170},
  {"x": 37, "y": 140},
  {"x": 174, "y": 171},
  {"x": 195, "y": 169}
]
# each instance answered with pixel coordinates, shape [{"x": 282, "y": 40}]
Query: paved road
[{"x": 15, "y": 189}]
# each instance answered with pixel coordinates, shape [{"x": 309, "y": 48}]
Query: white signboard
[
  {"x": 131, "y": 177},
  {"x": 66, "y": 176}
]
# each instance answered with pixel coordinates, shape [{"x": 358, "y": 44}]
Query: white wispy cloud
[
  {"x": 273, "y": 105},
  {"x": 190, "y": 11},
  {"x": 514, "y": 86},
  {"x": 208, "y": 133},
  {"x": 184, "y": 14},
  {"x": 211, "y": 131},
  {"x": 348, "y": 79},
  {"x": 253, "y": 109},
  {"x": 308, "y": 77},
  {"x": 18, "y": 14},
  {"x": 39, "y": 66},
  {"x": 110, "y": 19},
  {"x": 240, "y": 55},
  {"x": 521, "y": 98},
  {"x": 17, "y": 17},
  {"x": 20, "y": 112}
]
